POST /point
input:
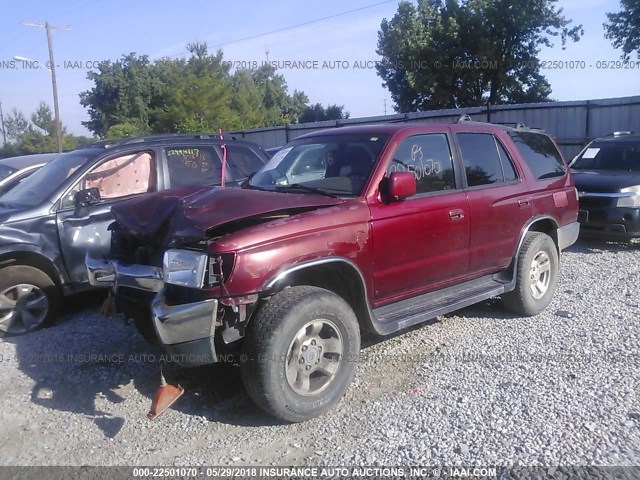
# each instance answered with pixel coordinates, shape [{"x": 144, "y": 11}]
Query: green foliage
[
  {"x": 126, "y": 129},
  {"x": 623, "y": 28},
  {"x": 37, "y": 135},
  {"x": 133, "y": 96},
  {"x": 450, "y": 54},
  {"x": 318, "y": 113}
]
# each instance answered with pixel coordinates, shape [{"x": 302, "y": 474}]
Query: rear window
[
  {"x": 598, "y": 156},
  {"x": 5, "y": 171},
  {"x": 540, "y": 154}
]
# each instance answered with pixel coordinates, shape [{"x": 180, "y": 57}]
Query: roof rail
[
  {"x": 156, "y": 137},
  {"x": 619, "y": 133}
]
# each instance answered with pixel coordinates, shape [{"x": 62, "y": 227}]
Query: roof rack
[
  {"x": 619, "y": 133},
  {"x": 464, "y": 118},
  {"x": 467, "y": 119},
  {"x": 156, "y": 137}
]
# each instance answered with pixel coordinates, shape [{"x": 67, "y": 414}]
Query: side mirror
[
  {"x": 87, "y": 197},
  {"x": 401, "y": 185}
]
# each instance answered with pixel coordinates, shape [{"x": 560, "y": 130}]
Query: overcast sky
[{"x": 162, "y": 28}]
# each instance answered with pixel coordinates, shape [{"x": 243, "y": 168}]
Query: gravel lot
[{"x": 476, "y": 387}]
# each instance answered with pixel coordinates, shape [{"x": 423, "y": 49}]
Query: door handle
[
  {"x": 456, "y": 214},
  {"x": 523, "y": 203}
]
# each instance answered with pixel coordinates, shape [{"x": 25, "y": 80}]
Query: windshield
[
  {"x": 336, "y": 164},
  {"x": 5, "y": 171},
  {"x": 624, "y": 156},
  {"x": 39, "y": 186}
]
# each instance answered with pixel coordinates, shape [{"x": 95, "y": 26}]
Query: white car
[{"x": 15, "y": 169}]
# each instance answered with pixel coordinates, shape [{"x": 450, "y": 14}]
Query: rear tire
[
  {"x": 29, "y": 299},
  {"x": 536, "y": 275},
  {"x": 300, "y": 351}
]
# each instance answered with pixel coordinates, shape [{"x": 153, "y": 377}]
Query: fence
[{"x": 572, "y": 124}]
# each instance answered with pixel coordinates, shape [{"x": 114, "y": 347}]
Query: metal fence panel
[{"x": 572, "y": 124}]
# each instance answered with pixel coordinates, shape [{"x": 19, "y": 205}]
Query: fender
[{"x": 363, "y": 309}]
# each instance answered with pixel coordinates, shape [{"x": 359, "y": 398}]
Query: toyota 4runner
[{"x": 376, "y": 228}]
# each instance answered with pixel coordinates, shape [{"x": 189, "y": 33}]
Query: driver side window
[
  {"x": 429, "y": 158},
  {"x": 121, "y": 176}
]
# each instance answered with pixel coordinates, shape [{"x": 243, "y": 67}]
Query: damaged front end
[
  {"x": 170, "y": 304},
  {"x": 164, "y": 275}
]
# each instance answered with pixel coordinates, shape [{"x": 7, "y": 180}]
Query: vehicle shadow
[
  {"x": 594, "y": 245},
  {"x": 85, "y": 364}
]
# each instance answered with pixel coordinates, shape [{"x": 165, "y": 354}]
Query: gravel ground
[{"x": 476, "y": 387}]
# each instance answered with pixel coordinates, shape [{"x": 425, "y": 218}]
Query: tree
[
  {"x": 37, "y": 135},
  {"x": 624, "y": 28},
  {"x": 450, "y": 54},
  {"x": 16, "y": 125},
  {"x": 318, "y": 113},
  {"x": 124, "y": 91}
]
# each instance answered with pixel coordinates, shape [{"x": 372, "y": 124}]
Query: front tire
[
  {"x": 536, "y": 275},
  {"x": 29, "y": 299},
  {"x": 300, "y": 352}
]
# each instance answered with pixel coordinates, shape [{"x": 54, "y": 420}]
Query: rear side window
[
  {"x": 540, "y": 154},
  {"x": 193, "y": 166},
  {"x": 241, "y": 162},
  {"x": 507, "y": 166},
  {"x": 482, "y": 161},
  {"x": 428, "y": 157}
]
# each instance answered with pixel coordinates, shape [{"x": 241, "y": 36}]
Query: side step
[{"x": 406, "y": 313}]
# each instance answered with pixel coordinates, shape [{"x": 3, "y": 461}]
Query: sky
[{"x": 337, "y": 32}]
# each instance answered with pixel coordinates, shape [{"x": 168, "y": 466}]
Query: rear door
[
  {"x": 422, "y": 242},
  {"x": 117, "y": 177},
  {"x": 499, "y": 200}
]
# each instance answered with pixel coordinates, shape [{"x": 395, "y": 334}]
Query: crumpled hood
[{"x": 184, "y": 215}]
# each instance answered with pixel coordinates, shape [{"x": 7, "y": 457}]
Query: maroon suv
[{"x": 375, "y": 227}]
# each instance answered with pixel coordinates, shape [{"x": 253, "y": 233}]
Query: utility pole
[
  {"x": 4, "y": 132},
  {"x": 54, "y": 83},
  {"x": 385, "y": 106}
]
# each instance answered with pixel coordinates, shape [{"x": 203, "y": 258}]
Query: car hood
[
  {"x": 185, "y": 215},
  {"x": 604, "y": 180},
  {"x": 10, "y": 213}
]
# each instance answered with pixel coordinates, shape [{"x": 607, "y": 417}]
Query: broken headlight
[
  {"x": 219, "y": 271},
  {"x": 184, "y": 267}
]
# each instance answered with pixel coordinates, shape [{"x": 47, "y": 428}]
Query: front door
[
  {"x": 422, "y": 242},
  {"x": 84, "y": 230}
]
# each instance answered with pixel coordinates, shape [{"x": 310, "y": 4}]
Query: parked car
[
  {"x": 15, "y": 169},
  {"x": 405, "y": 222},
  {"x": 607, "y": 175},
  {"x": 52, "y": 219}
]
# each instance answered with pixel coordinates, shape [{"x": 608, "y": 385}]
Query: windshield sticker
[
  {"x": 373, "y": 139},
  {"x": 590, "y": 153}
]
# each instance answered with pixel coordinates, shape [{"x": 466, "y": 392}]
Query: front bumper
[
  {"x": 613, "y": 223},
  {"x": 185, "y": 331}
]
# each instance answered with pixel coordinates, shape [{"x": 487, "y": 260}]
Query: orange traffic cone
[{"x": 165, "y": 396}]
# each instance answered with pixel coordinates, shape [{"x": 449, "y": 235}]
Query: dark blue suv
[{"x": 607, "y": 176}]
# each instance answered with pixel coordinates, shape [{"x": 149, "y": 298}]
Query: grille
[{"x": 595, "y": 202}]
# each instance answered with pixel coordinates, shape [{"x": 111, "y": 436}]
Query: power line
[{"x": 284, "y": 29}]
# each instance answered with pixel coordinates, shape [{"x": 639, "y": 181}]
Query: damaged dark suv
[
  {"x": 53, "y": 218},
  {"x": 376, "y": 227}
]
